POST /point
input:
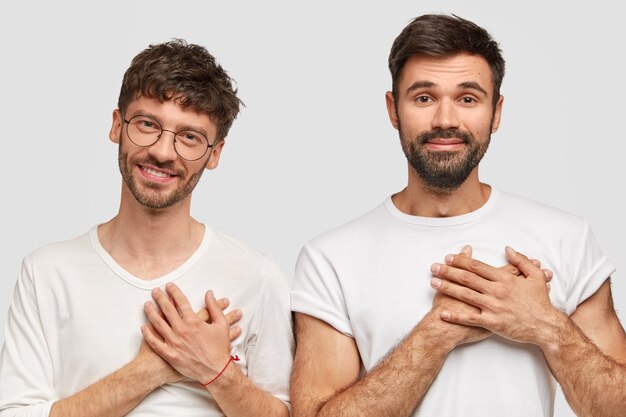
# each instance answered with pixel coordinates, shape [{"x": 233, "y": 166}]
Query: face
[
  {"x": 445, "y": 115},
  {"x": 155, "y": 175}
]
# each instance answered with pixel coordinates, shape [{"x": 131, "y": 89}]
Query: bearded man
[{"x": 385, "y": 328}]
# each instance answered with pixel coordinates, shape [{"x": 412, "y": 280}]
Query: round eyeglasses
[{"x": 145, "y": 131}]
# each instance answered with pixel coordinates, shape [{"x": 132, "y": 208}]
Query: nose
[
  {"x": 163, "y": 150},
  {"x": 445, "y": 115}
]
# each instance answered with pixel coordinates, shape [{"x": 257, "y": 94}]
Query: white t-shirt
[
  {"x": 76, "y": 317},
  {"x": 383, "y": 260}
]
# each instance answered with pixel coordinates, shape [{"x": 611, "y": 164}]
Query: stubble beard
[
  {"x": 443, "y": 172},
  {"x": 150, "y": 195}
]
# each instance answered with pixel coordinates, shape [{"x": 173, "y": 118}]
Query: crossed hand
[
  {"x": 189, "y": 344},
  {"x": 511, "y": 301}
]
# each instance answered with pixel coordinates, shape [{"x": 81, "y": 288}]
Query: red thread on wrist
[{"x": 232, "y": 358}]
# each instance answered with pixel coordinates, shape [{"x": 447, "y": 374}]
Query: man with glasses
[
  {"x": 385, "y": 327},
  {"x": 74, "y": 345}
]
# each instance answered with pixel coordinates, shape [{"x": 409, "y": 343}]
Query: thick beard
[
  {"x": 151, "y": 197},
  {"x": 443, "y": 172}
]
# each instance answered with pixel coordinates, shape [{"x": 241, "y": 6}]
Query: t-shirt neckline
[
  {"x": 443, "y": 221},
  {"x": 152, "y": 283}
]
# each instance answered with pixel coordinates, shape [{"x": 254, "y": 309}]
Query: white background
[{"x": 313, "y": 148}]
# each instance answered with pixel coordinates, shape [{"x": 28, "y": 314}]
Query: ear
[
  {"x": 391, "y": 109},
  {"x": 116, "y": 126},
  {"x": 214, "y": 154},
  {"x": 495, "y": 124}
]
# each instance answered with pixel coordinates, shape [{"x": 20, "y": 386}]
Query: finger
[
  {"x": 511, "y": 269},
  {"x": 474, "y": 266},
  {"x": 466, "y": 319},
  {"x": 180, "y": 300},
  {"x": 167, "y": 307},
  {"x": 523, "y": 264},
  {"x": 151, "y": 338},
  {"x": 233, "y": 317},
  {"x": 235, "y": 332},
  {"x": 156, "y": 320},
  {"x": 467, "y": 251},
  {"x": 548, "y": 274},
  {"x": 461, "y": 277},
  {"x": 536, "y": 262},
  {"x": 203, "y": 313},
  {"x": 458, "y": 292},
  {"x": 215, "y": 313},
  {"x": 223, "y": 303}
]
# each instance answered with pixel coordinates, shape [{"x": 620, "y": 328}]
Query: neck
[
  {"x": 139, "y": 232},
  {"x": 419, "y": 200}
]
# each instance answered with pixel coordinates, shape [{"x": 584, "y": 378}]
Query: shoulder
[
  {"x": 237, "y": 254},
  {"x": 353, "y": 232},
  {"x": 60, "y": 252},
  {"x": 527, "y": 210}
]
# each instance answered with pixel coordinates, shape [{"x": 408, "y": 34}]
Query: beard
[
  {"x": 151, "y": 194},
  {"x": 440, "y": 171}
]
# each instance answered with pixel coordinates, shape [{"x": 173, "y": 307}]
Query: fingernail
[
  {"x": 211, "y": 294},
  {"x": 466, "y": 249},
  {"x": 435, "y": 282},
  {"x": 510, "y": 250},
  {"x": 549, "y": 274},
  {"x": 449, "y": 259},
  {"x": 435, "y": 268},
  {"x": 445, "y": 315}
]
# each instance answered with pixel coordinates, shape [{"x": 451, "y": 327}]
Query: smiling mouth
[{"x": 156, "y": 173}]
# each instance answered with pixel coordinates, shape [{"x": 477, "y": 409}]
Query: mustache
[
  {"x": 169, "y": 165},
  {"x": 444, "y": 134}
]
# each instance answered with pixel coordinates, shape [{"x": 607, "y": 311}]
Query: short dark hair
[
  {"x": 441, "y": 35},
  {"x": 177, "y": 69}
]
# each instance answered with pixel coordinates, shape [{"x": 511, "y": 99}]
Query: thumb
[
  {"x": 215, "y": 312},
  {"x": 525, "y": 265}
]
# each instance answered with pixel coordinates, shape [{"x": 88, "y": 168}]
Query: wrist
[
  {"x": 226, "y": 377},
  {"x": 151, "y": 376},
  {"x": 549, "y": 335},
  {"x": 436, "y": 332}
]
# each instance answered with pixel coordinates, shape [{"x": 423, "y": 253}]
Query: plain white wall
[{"x": 313, "y": 148}]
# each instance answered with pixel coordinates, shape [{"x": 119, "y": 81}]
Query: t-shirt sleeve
[
  {"x": 586, "y": 267},
  {"x": 25, "y": 365},
  {"x": 317, "y": 290},
  {"x": 270, "y": 350}
]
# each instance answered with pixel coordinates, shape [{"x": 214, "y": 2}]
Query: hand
[
  {"x": 160, "y": 366},
  {"x": 460, "y": 334},
  {"x": 196, "y": 349},
  {"x": 511, "y": 307}
]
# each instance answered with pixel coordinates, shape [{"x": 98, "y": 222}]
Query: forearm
[
  {"x": 237, "y": 396},
  {"x": 399, "y": 382},
  {"x": 112, "y": 396},
  {"x": 592, "y": 382}
]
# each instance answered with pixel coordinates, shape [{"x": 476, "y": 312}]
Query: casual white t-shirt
[
  {"x": 76, "y": 317},
  {"x": 370, "y": 279}
]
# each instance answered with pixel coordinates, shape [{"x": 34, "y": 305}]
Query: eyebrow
[
  {"x": 179, "y": 128},
  {"x": 466, "y": 84},
  {"x": 474, "y": 86}
]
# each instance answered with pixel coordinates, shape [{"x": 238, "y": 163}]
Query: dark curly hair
[{"x": 177, "y": 69}]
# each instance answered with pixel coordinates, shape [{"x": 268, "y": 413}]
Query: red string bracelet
[{"x": 232, "y": 358}]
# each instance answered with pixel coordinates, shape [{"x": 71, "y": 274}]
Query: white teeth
[{"x": 155, "y": 173}]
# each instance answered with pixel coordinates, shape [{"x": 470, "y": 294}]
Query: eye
[
  {"x": 423, "y": 99},
  {"x": 145, "y": 124},
  {"x": 191, "y": 138},
  {"x": 469, "y": 100}
]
